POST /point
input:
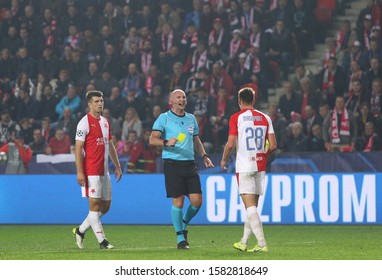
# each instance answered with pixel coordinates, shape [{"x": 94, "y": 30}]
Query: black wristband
[
  {"x": 205, "y": 155},
  {"x": 165, "y": 143}
]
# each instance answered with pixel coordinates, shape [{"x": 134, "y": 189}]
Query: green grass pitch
[{"x": 133, "y": 242}]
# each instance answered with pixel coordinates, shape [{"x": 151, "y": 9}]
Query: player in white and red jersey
[
  {"x": 92, "y": 151},
  {"x": 249, "y": 129}
]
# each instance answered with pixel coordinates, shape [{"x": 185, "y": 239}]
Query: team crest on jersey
[
  {"x": 190, "y": 129},
  {"x": 80, "y": 133},
  {"x": 106, "y": 125}
]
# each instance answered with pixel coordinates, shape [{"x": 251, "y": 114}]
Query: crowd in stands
[{"x": 136, "y": 52}]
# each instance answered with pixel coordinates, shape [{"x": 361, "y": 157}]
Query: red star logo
[{"x": 93, "y": 190}]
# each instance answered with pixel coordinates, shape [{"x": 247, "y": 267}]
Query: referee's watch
[{"x": 205, "y": 155}]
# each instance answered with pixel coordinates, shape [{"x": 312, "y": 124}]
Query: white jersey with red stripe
[
  {"x": 251, "y": 128},
  {"x": 95, "y": 133}
]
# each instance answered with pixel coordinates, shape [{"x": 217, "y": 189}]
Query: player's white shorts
[
  {"x": 251, "y": 182},
  {"x": 98, "y": 187}
]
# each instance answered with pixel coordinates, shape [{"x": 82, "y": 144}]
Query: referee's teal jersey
[{"x": 184, "y": 128}]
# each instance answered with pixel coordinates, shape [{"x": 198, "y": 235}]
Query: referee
[{"x": 177, "y": 132}]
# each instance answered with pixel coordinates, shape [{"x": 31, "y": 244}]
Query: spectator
[
  {"x": 12, "y": 40},
  {"x": 147, "y": 18},
  {"x": 74, "y": 37},
  {"x": 205, "y": 131},
  {"x": 202, "y": 102},
  {"x": 48, "y": 63},
  {"x": 7, "y": 127},
  {"x": 375, "y": 51},
  {"x": 59, "y": 144},
  {"x": 365, "y": 11},
  {"x": 289, "y": 101},
  {"x": 28, "y": 107},
  {"x": 215, "y": 55},
  {"x": 339, "y": 129},
  {"x": 178, "y": 78},
  {"x": 375, "y": 71},
  {"x": 118, "y": 144},
  {"x": 90, "y": 19},
  {"x": 280, "y": 47},
  {"x": 218, "y": 78},
  {"x": 279, "y": 124},
  {"x": 302, "y": 25},
  {"x": 197, "y": 58},
  {"x": 196, "y": 81},
  {"x": 111, "y": 17},
  {"x": 115, "y": 103},
  {"x": 355, "y": 97},
  {"x": 298, "y": 142},
  {"x": 90, "y": 76},
  {"x": 24, "y": 81},
  {"x": 38, "y": 145},
  {"x": 46, "y": 130},
  {"x": 369, "y": 141},
  {"x": 71, "y": 100},
  {"x": 26, "y": 130},
  {"x": 376, "y": 98},
  {"x": 219, "y": 35},
  {"x": 132, "y": 81},
  {"x": 344, "y": 35},
  {"x": 7, "y": 70},
  {"x": 115, "y": 124},
  {"x": 110, "y": 62},
  {"x": 190, "y": 38},
  {"x": 131, "y": 122},
  {"x": 207, "y": 17},
  {"x": 311, "y": 119},
  {"x": 9, "y": 103},
  {"x": 129, "y": 142},
  {"x": 48, "y": 104},
  {"x": 68, "y": 125},
  {"x": 309, "y": 97},
  {"x": 148, "y": 58},
  {"x": 165, "y": 40},
  {"x": 237, "y": 45},
  {"x": 71, "y": 17},
  {"x": 300, "y": 73},
  {"x": 106, "y": 82},
  {"x": 170, "y": 16},
  {"x": 62, "y": 84},
  {"x": 24, "y": 63},
  {"x": 331, "y": 82},
  {"x": 364, "y": 32},
  {"x": 107, "y": 37},
  {"x": 193, "y": 15},
  {"x": 316, "y": 143},
  {"x": 169, "y": 59},
  {"x": 89, "y": 45},
  {"x": 354, "y": 54},
  {"x": 28, "y": 42},
  {"x": 75, "y": 66},
  {"x": 31, "y": 21},
  {"x": 143, "y": 156},
  {"x": 19, "y": 155},
  {"x": 282, "y": 12}
]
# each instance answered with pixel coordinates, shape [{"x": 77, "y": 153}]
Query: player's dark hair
[
  {"x": 246, "y": 95},
  {"x": 92, "y": 93}
]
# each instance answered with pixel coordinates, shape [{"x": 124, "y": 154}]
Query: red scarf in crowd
[
  {"x": 194, "y": 39},
  {"x": 146, "y": 61},
  {"x": 167, "y": 44},
  {"x": 234, "y": 46},
  {"x": 218, "y": 40},
  {"x": 328, "y": 78},
  {"x": 198, "y": 60},
  {"x": 344, "y": 130},
  {"x": 369, "y": 144}
]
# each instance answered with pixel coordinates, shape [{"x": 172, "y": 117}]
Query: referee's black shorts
[{"x": 181, "y": 177}]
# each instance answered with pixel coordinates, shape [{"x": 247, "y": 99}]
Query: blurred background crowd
[{"x": 136, "y": 52}]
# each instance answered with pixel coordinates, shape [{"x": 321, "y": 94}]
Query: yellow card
[{"x": 181, "y": 137}]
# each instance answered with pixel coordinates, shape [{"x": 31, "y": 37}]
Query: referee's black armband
[{"x": 205, "y": 155}]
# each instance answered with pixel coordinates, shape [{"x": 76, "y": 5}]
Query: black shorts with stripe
[{"x": 181, "y": 177}]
